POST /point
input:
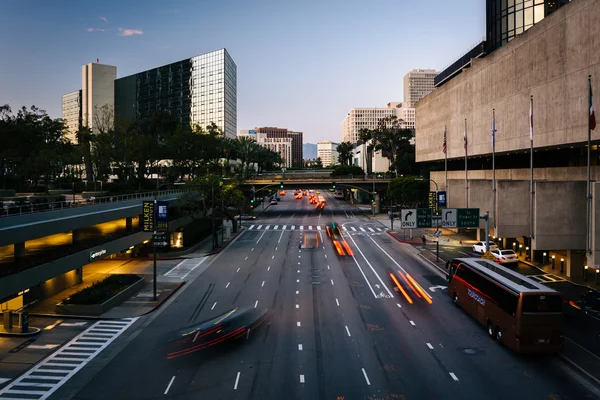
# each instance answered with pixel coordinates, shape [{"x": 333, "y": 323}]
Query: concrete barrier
[{"x": 99, "y": 309}]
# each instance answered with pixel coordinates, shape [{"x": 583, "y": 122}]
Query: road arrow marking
[
  {"x": 433, "y": 288},
  {"x": 377, "y": 286}
]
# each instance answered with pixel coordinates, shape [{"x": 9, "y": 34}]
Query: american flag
[{"x": 444, "y": 145}]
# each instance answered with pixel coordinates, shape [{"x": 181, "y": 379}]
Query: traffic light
[
  {"x": 334, "y": 185},
  {"x": 280, "y": 185},
  {"x": 252, "y": 200}
]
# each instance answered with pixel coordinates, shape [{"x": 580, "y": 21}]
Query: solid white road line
[
  {"x": 348, "y": 331},
  {"x": 212, "y": 308},
  {"x": 300, "y": 347},
  {"x": 298, "y": 323},
  {"x": 263, "y": 234},
  {"x": 226, "y": 286},
  {"x": 256, "y": 304},
  {"x": 412, "y": 323},
  {"x": 430, "y": 346},
  {"x": 453, "y": 376},
  {"x": 280, "y": 236},
  {"x": 372, "y": 269},
  {"x": 332, "y": 282},
  {"x": 301, "y": 378},
  {"x": 169, "y": 385},
  {"x": 237, "y": 380},
  {"x": 366, "y": 377},
  {"x": 263, "y": 284},
  {"x": 337, "y": 302}
]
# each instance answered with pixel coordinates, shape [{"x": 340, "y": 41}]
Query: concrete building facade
[
  {"x": 281, "y": 145},
  {"x": 97, "y": 90},
  {"x": 364, "y": 118},
  {"x": 297, "y": 151},
  {"x": 71, "y": 114},
  {"x": 418, "y": 83},
  {"x": 550, "y": 63},
  {"x": 327, "y": 152}
]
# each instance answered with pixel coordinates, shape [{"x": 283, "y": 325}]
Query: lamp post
[
  {"x": 553, "y": 257},
  {"x": 153, "y": 246},
  {"x": 585, "y": 269},
  {"x": 437, "y": 222},
  {"x": 562, "y": 265}
]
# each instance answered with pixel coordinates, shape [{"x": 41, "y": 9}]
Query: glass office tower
[
  {"x": 508, "y": 18},
  {"x": 197, "y": 90}
]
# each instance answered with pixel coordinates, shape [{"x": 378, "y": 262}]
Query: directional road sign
[
  {"x": 416, "y": 218},
  {"x": 460, "y": 218},
  {"x": 160, "y": 240}
]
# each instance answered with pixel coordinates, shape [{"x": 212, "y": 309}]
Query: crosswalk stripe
[
  {"x": 353, "y": 228},
  {"x": 301, "y": 227},
  {"x": 371, "y": 229},
  {"x": 362, "y": 229},
  {"x": 346, "y": 229},
  {"x": 267, "y": 228},
  {"x": 285, "y": 226},
  {"x": 251, "y": 227},
  {"x": 310, "y": 228},
  {"x": 260, "y": 226},
  {"x": 293, "y": 227},
  {"x": 275, "y": 227},
  {"x": 379, "y": 229},
  {"x": 318, "y": 228}
]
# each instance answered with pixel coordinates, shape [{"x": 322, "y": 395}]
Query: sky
[{"x": 301, "y": 64}]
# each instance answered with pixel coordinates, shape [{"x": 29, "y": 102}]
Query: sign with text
[
  {"x": 432, "y": 202},
  {"x": 442, "y": 202},
  {"x": 162, "y": 216},
  {"x": 148, "y": 216},
  {"x": 415, "y": 218},
  {"x": 97, "y": 253},
  {"x": 160, "y": 240},
  {"x": 460, "y": 218}
]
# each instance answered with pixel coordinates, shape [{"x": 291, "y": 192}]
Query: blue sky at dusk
[{"x": 301, "y": 64}]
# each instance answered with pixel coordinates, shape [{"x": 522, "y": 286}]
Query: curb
[
  {"x": 228, "y": 243},
  {"x": 567, "y": 279},
  {"x": 401, "y": 241},
  {"x": 160, "y": 303},
  {"x": 35, "y": 331},
  {"x": 580, "y": 369}
]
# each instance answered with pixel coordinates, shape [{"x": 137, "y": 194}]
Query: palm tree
[
  {"x": 365, "y": 135},
  {"x": 230, "y": 150},
  {"x": 247, "y": 149},
  {"x": 344, "y": 150}
]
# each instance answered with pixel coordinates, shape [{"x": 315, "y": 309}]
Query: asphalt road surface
[{"x": 338, "y": 330}]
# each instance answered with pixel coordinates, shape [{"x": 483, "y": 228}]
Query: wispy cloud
[
  {"x": 130, "y": 32},
  {"x": 104, "y": 19},
  {"x": 95, "y": 30}
]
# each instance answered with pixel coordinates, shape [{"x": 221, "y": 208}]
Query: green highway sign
[
  {"x": 415, "y": 218},
  {"x": 460, "y": 218}
]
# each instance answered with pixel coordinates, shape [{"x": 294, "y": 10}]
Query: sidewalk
[{"x": 448, "y": 238}]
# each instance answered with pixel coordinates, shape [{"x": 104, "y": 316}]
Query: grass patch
[{"x": 103, "y": 290}]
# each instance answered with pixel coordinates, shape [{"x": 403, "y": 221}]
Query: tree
[
  {"x": 247, "y": 149},
  {"x": 366, "y": 135},
  {"x": 408, "y": 192},
  {"x": 394, "y": 142},
  {"x": 345, "y": 154},
  {"x": 84, "y": 138}
]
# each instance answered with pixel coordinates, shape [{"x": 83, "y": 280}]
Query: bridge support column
[
  {"x": 19, "y": 250},
  {"x": 128, "y": 224},
  {"x": 377, "y": 203}
]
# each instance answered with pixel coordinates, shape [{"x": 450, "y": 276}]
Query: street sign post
[
  {"x": 160, "y": 240},
  {"x": 412, "y": 218},
  {"x": 460, "y": 218}
]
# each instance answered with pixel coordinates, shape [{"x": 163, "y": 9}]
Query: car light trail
[
  {"x": 419, "y": 288},
  {"x": 409, "y": 284},
  {"x": 401, "y": 289}
]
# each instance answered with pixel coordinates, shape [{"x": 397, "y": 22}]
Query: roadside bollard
[
  {"x": 585, "y": 268},
  {"x": 544, "y": 260},
  {"x": 553, "y": 261},
  {"x": 562, "y": 265},
  {"x": 520, "y": 249},
  {"x": 597, "y": 273}
]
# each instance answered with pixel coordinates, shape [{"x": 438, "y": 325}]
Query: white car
[
  {"x": 273, "y": 202},
  {"x": 505, "y": 256},
  {"x": 479, "y": 247}
]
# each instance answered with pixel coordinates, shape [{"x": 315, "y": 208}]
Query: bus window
[{"x": 545, "y": 303}]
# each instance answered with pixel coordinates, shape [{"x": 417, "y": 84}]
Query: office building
[
  {"x": 327, "y": 152},
  {"x": 97, "y": 91},
  {"x": 297, "y": 150},
  {"x": 551, "y": 62},
  {"x": 418, "y": 83},
  {"x": 71, "y": 114},
  {"x": 198, "y": 91},
  {"x": 364, "y": 118},
  {"x": 281, "y": 145}
]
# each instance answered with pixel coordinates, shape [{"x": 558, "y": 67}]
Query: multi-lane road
[{"x": 338, "y": 330}]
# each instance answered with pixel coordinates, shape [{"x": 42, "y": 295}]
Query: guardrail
[
  {"x": 20, "y": 209},
  {"x": 360, "y": 178}
]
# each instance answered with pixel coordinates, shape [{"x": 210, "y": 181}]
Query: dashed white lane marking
[
  {"x": 214, "y": 305},
  {"x": 430, "y": 346},
  {"x": 272, "y": 257},
  {"x": 399, "y": 305},
  {"x": 319, "y": 227},
  {"x": 226, "y": 286},
  {"x": 348, "y": 331},
  {"x": 298, "y": 323},
  {"x": 276, "y": 248},
  {"x": 268, "y": 268},
  {"x": 252, "y": 249},
  {"x": 453, "y": 376},
  {"x": 325, "y": 255},
  {"x": 353, "y": 228},
  {"x": 366, "y": 377},
  {"x": 328, "y": 267},
  {"x": 238, "y": 270},
  {"x": 297, "y": 280},
  {"x": 298, "y": 271},
  {"x": 63, "y": 364},
  {"x": 169, "y": 385},
  {"x": 300, "y": 347},
  {"x": 279, "y": 241},
  {"x": 263, "y": 284},
  {"x": 246, "y": 258},
  {"x": 301, "y": 378},
  {"x": 256, "y": 304},
  {"x": 297, "y": 292},
  {"x": 297, "y": 306},
  {"x": 412, "y": 323},
  {"x": 337, "y": 302},
  {"x": 237, "y": 380},
  {"x": 332, "y": 282}
]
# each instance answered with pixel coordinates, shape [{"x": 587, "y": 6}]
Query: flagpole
[
  {"x": 494, "y": 166},
  {"x": 588, "y": 244},
  {"x": 531, "y": 168},
  {"x": 446, "y": 164},
  {"x": 466, "y": 170}
]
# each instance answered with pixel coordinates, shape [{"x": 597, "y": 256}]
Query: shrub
[{"x": 101, "y": 291}]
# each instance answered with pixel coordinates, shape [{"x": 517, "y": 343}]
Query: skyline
[{"x": 303, "y": 68}]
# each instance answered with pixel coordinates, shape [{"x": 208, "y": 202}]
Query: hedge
[{"x": 101, "y": 291}]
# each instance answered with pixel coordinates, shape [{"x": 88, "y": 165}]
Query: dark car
[
  {"x": 231, "y": 325},
  {"x": 591, "y": 299}
]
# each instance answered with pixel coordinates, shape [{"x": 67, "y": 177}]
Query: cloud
[
  {"x": 104, "y": 19},
  {"x": 130, "y": 32},
  {"x": 95, "y": 30}
]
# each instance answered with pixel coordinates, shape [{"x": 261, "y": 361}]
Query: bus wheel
[
  {"x": 490, "y": 329},
  {"x": 498, "y": 334},
  {"x": 455, "y": 298}
]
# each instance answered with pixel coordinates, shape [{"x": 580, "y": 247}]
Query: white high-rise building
[
  {"x": 97, "y": 90},
  {"x": 359, "y": 118},
  {"x": 418, "y": 83},
  {"x": 71, "y": 113},
  {"x": 327, "y": 152},
  {"x": 281, "y": 145}
]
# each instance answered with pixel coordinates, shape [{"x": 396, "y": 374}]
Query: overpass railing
[
  {"x": 9, "y": 210},
  {"x": 305, "y": 177}
]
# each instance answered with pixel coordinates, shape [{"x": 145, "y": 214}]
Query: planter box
[
  {"x": 99, "y": 309},
  {"x": 60, "y": 191}
]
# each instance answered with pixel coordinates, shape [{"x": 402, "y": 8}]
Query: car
[
  {"x": 273, "y": 202},
  {"x": 591, "y": 299},
  {"x": 479, "y": 247},
  {"x": 282, "y": 193},
  {"x": 245, "y": 216},
  {"x": 335, "y": 234},
  {"x": 505, "y": 256},
  {"x": 318, "y": 192}
]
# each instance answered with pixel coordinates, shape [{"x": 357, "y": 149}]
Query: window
[{"x": 551, "y": 303}]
